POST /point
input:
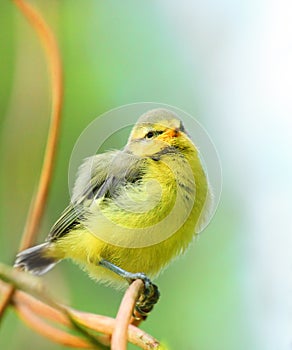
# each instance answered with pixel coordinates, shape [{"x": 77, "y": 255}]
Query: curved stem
[
  {"x": 38, "y": 204},
  {"x": 123, "y": 318},
  {"x": 53, "y": 333},
  {"x": 61, "y": 315},
  {"x": 54, "y": 62}
]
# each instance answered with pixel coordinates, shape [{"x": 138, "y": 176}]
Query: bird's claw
[{"x": 148, "y": 298}]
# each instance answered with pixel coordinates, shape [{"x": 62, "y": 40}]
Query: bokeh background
[{"x": 227, "y": 63}]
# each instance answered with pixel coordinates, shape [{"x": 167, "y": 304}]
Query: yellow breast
[{"x": 149, "y": 224}]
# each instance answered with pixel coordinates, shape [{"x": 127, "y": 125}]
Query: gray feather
[
  {"x": 34, "y": 260},
  {"x": 100, "y": 176}
]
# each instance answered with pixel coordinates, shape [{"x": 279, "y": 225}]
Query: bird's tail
[{"x": 35, "y": 260}]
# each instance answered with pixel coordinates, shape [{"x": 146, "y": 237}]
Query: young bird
[{"x": 132, "y": 210}]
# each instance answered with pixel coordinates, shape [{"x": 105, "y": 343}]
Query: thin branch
[
  {"x": 26, "y": 282},
  {"x": 34, "y": 286},
  {"x": 54, "y": 62},
  {"x": 6, "y": 300},
  {"x": 53, "y": 333},
  {"x": 107, "y": 325},
  {"x": 40, "y": 308},
  {"x": 59, "y": 314},
  {"x": 123, "y": 318},
  {"x": 33, "y": 312}
]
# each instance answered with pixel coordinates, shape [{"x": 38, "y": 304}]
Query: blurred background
[{"x": 227, "y": 63}]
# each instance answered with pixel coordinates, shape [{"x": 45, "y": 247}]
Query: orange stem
[
  {"x": 54, "y": 61},
  {"x": 98, "y": 323},
  {"x": 48, "y": 331},
  {"x": 6, "y": 300},
  {"x": 38, "y": 204},
  {"x": 124, "y": 315},
  {"x": 107, "y": 325}
]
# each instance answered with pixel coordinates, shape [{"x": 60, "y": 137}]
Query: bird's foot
[
  {"x": 150, "y": 295},
  {"x": 148, "y": 298}
]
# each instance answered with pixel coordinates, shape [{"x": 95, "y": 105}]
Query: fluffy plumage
[{"x": 137, "y": 208}]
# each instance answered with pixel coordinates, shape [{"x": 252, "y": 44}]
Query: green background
[{"x": 209, "y": 60}]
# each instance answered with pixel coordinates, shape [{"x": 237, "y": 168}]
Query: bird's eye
[
  {"x": 149, "y": 135},
  {"x": 153, "y": 133}
]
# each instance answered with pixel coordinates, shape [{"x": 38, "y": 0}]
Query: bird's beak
[{"x": 170, "y": 134}]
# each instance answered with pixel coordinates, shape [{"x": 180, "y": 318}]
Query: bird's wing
[
  {"x": 67, "y": 221},
  {"x": 99, "y": 176}
]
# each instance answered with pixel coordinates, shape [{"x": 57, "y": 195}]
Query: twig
[
  {"x": 6, "y": 300},
  {"x": 40, "y": 308},
  {"x": 34, "y": 286},
  {"x": 53, "y": 333},
  {"x": 54, "y": 61},
  {"x": 107, "y": 325},
  {"x": 123, "y": 318},
  {"x": 59, "y": 313},
  {"x": 24, "y": 281}
]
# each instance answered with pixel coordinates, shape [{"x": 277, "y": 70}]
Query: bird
[{"x": 132, "y": 211}]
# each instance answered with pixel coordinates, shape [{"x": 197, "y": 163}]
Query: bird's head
[{"x": 156, "y": 130}]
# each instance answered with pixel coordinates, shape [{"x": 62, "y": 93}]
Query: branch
[
  {"x": 54, "y": 61},
  {"x": 33, "y": 309},
  {"x": 123, "y": 318},
  {"x": 49, "y": 331}
]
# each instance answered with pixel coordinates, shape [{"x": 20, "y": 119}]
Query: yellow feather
[
  {"x": 139, "y": 207},
  {"x": 86, "y": 248}
]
